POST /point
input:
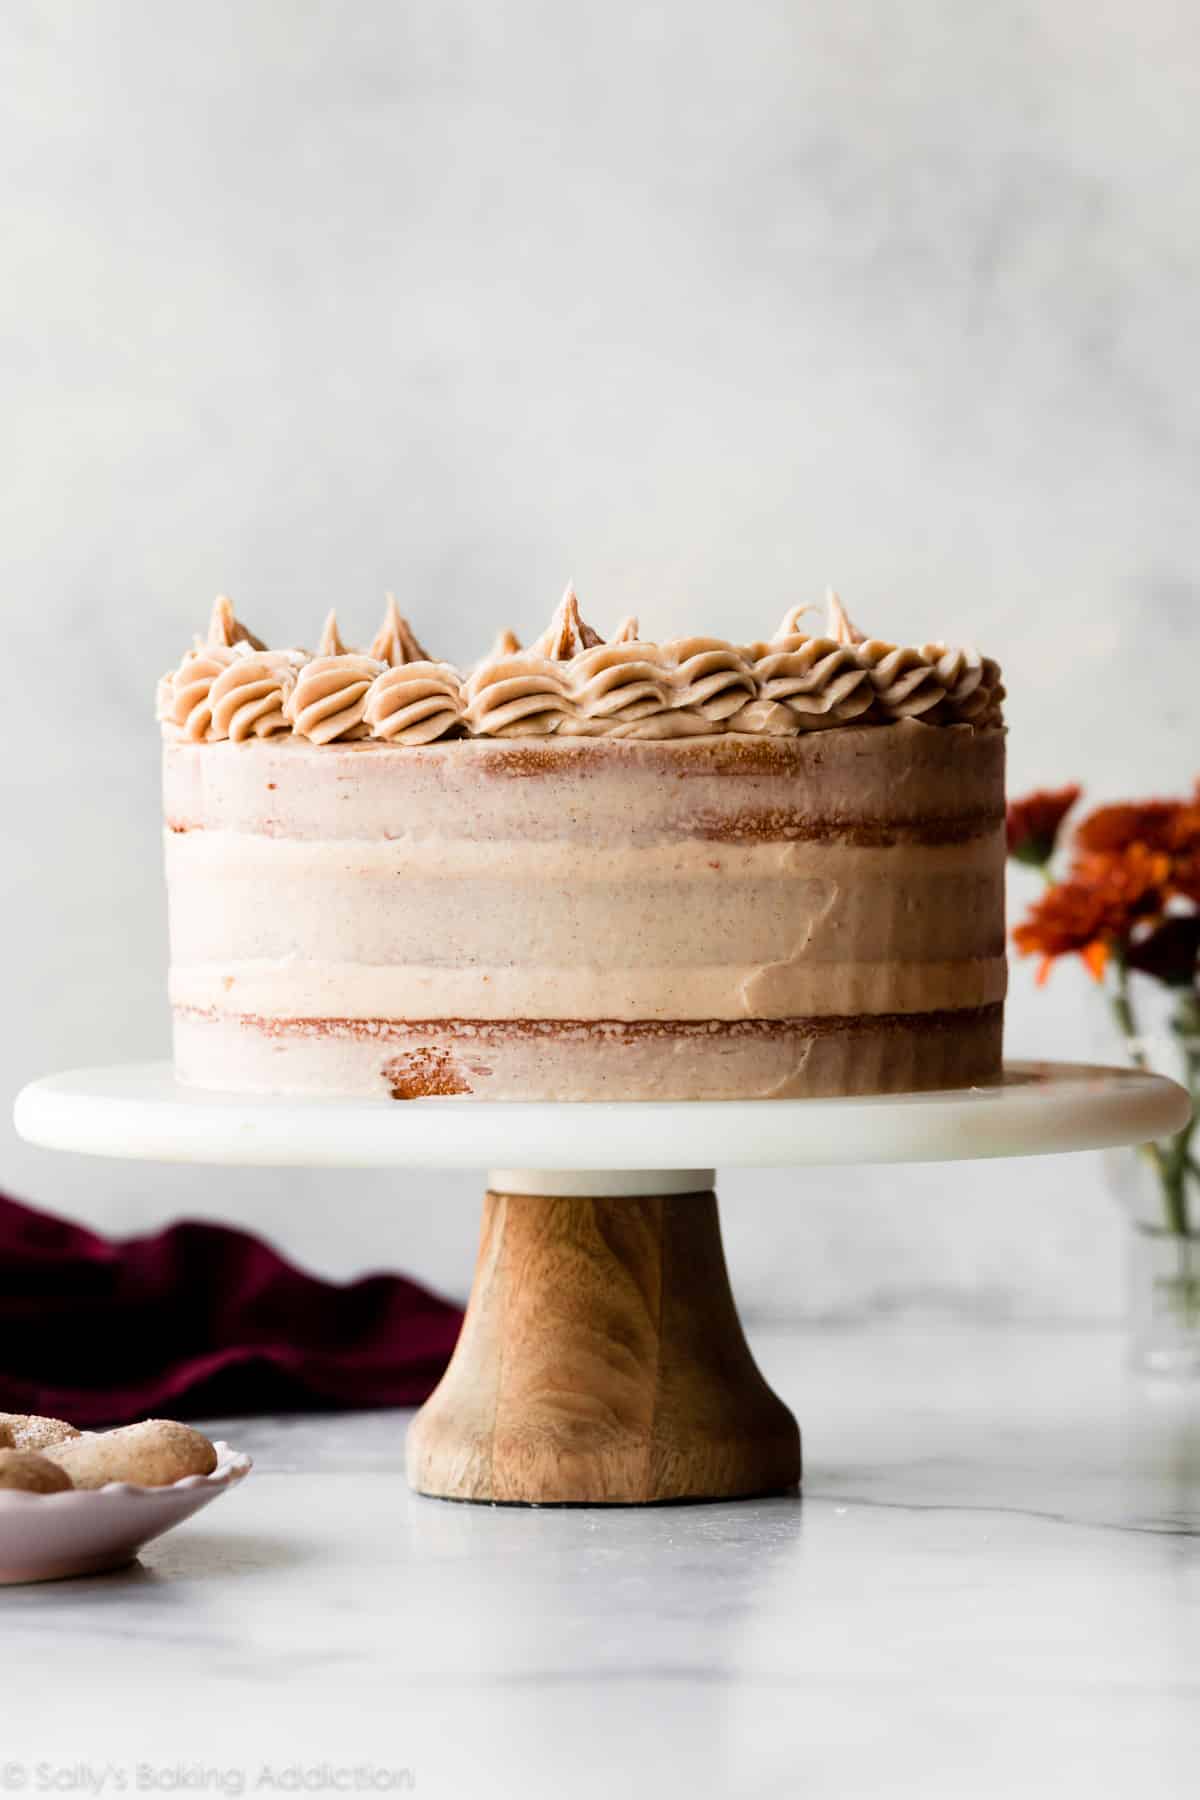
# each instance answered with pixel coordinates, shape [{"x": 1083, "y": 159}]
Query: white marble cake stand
[{"x": 602, "y": 1359}]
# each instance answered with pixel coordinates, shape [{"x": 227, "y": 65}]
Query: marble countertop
[{"x": 991, "y": 1586}]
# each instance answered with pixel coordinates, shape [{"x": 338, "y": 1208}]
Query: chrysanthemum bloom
[
  {"x": 1095, "y": 910},
  {"x": 1133, "y": 882},
  {"x": 1033, "y": 824},
  {"x": 1184, "y": 845},
  {"x": 1070, "y": 917},
  {"x": 1148, "y": 822},
  {"x": 1185, "y": 876},
  {"x": 1185, "y": 826}
]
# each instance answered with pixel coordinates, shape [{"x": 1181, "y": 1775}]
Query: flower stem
[
  {"x": 1122, "y": 1006},
  {"x": 1170, "y": 1165},
  {"x": 1186, "y": 1025}
]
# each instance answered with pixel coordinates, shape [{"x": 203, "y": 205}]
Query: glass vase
[
  {"x": 1159, "y": 1187},
  {"x": 1164, "y": 1300}
]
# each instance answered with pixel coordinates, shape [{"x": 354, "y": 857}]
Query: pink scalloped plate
[{"x": 46, "y": 1537}]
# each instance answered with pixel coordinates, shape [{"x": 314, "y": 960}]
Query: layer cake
[{"x": 585, "y": 870}]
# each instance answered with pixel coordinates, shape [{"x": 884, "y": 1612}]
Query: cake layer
[
  {"x": 772, "y": 990},
  {"x": 775, "y": 909},
  {"x": 740, "y": 930},
  {"x": 904, "y": 783},
  {"x": 578, "y": 1060}
]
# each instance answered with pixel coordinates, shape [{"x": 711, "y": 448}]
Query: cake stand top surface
[{"x": 1035, "y": 1109}]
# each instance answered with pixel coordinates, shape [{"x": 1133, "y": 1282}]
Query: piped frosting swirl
[
  {"x": 329, "y": 701},
  {"x": 805, "y": 683},
  {"x": 192, "y": 698},
  {"x": 570, "y": 682},
  {"x": 413, "y": 700},
  {"x": 527, "y": 693},
  {"x": 248, "y": 697}
]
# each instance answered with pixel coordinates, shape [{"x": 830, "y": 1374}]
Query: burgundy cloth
[{"x": 199, "y": 1319}]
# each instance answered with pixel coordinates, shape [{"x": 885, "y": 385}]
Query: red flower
[{"x": 1033, "y": 824}]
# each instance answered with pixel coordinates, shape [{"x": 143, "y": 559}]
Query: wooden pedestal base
[{"x": 602, "y": 1361}]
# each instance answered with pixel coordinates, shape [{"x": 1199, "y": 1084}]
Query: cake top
[{"x": 570, "y": 682}]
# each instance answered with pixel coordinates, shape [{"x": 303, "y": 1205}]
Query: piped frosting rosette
[
  {"x": 972, "y": 683},
  {"x": 570, "y": 683},
  {"x": 618, "y": 689},
  {"x": 712, "y": 680},
  {"x": 528, "y": 693},
  {"x": 413, "y": 700},
  {"x": 905, "y": 683},
  {"x": 329, "y": 700},
  {"x": 804, "y": 683},
  {"x": 628, "y": 688},
  {"x": 249, "y": 696},
  {"x": 229, "y": 685}
]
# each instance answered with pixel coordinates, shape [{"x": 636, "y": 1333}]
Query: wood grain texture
[{"x": 602, "y": 1361}]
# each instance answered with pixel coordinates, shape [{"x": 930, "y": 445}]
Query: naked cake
[{"x": 585, "y": 869}]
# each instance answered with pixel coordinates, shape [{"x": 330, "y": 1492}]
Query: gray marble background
[{"x": 702, "y": 306}]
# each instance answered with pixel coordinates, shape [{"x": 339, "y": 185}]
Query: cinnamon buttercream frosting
[
  {"x": 936, "y": 682},
  {"x": 805, "y": 683},
  {"x": 329, "y": 700},
  {"x": 567, "y": 635},
  {"x": 571, "y": 682},
  {"x": 395, "y": 642},
  {"x": 185, "y": 698},
  {"x": 226, "y": 629},
  {"x": 523, "y": 694},
  {"x": 413, "y": 700},
  {"x": 527, "y": 693},
  {"x": 248, "y": 697},
  {"x": 415, "y": 704}
]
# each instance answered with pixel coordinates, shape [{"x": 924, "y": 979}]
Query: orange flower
[
  {"x": 1184, "y": 844},
  {"x": 1095, "y": 909},
  {"x": 1149, "y": 822},
  {"x": 1033, "y": 823},
  {"x": 1185, "y": 876},
  {"x": 1133, "y": 882},
  {"x": 1068, "y": 917},
  {"x": 1169, "y": 827},
  {"x": 1133, "y": 863}
]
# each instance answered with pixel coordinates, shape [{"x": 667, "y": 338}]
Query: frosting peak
[
  {"x": 395, "y": 643},
  {"x": 789, "y": 625},
  {"x": 567, "y": 635},
  {"x": 841, "y": 630},
  {"x": 330, "y": 642},
  {"x": 225, "y": 629}
]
